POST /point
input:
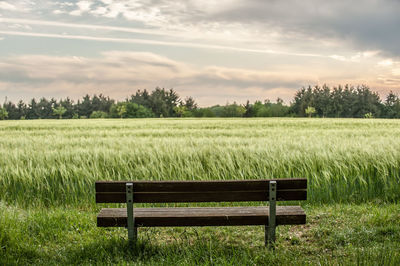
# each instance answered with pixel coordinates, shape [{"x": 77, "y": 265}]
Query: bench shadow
[
  {"x": 106, "y": 251},
  {"x": 120, "y": 251}
]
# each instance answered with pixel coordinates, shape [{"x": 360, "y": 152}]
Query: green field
[{"x": 48, "y": 169}]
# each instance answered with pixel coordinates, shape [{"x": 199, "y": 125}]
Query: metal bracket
[
  {"x": 270, "y": 230},
  {"x": 132, "y": 230}
]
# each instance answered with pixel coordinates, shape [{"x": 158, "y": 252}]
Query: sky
[{"x": 216, "y": 51}]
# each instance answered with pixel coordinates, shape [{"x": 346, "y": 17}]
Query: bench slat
[
  {"x": 216, "y": 196},
  {"x": 204, "y": 216},
  {"x": 201, "y": 186}
]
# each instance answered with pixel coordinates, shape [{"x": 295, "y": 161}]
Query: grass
[
  {"x": 335, "y": 234},
  {"x": 48, "y": 169}
]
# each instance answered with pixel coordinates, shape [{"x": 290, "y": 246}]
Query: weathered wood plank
[
  {"x": 216, "y": 196},
  {"x": 212, "y": 216},
  {"x": 201, "y": 186}
]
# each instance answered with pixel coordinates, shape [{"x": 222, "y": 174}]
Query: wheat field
[{"x": 53, "y": 162}]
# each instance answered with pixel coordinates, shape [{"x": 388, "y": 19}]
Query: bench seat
[
  {"x": 200, "y": 216},
  {"x": 264, "y": 190}
]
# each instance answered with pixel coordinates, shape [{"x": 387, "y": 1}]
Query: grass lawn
[{"x": 364, "y": 234}]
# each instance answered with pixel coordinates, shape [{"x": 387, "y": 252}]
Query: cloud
[
  {"x": 7, "y": 6},
  {"x": 181, "y": 39},
  {"x": 57, "y": 12},
  {"x": 362, "y": 25},
  {"x": 267, "y": 48},
  {"x": 164, "y": 43},
  {"x": 119, "y": 74},
  {"x": 82, "y": 7},
  {"x": 385, "y": 63},
  {"x": 57, "y": 24},
  {"x": 19, "y": 6},
  {"x": 366, "y": 24}
]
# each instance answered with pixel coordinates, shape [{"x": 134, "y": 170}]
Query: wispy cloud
[
  {"x": 184, "y": 36},
  {"x": 156, "y": 42},
  {"x": 88, "y": 26}
]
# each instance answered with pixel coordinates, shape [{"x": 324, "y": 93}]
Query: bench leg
[
  {"x": 270, "y": 230},
  {"x": 132, "y": 230}
]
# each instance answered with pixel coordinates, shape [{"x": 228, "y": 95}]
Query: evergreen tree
[
  {"x": 12, "y": 110},
  {"x": 85, "y": 107},
  {"x": 45, "y": 108},
  {"x": 392, "y": 106},
  {"x": 22, "y": 109},
  {"x": 68, "y": 104},
  {"x": 141, "y": 98},
  {"x": 32, "y": 111}
]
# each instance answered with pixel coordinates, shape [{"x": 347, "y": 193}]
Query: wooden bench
[{"x": 130, "y": 192}]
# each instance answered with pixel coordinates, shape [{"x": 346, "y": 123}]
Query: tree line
[
  {"x": 345, "y": 101},
  {"x": 340, "y": 101}
]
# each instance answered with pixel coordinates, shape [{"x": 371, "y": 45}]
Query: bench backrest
[{"x": 200, "y": 191}]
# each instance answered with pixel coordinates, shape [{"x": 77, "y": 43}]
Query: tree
[
  {"x": 121, "y": 110},
  {"x": 262, "y": 109},
  {"x": 278, "y": 109},
  {"x": 303, "y": 98},
  {"x": 392, "y": 106},
  {"x": 233, "y": 110},
  {"x": 3, "y": 113},
  {"x": 310, "y": 111},
  {"x": 129, "y": 110},
  {"x": 32, "y": 110},
  {"x": 99, "y": 114},
  {"x": 182, "y": 111},
  {"x": 22, "y": 109},
  {"x": 162, "y": 102},
  {"x": 204, "y": 112},
  {"x": 347, "y": 101},
  {"x": 141, "y": 98},
  {"x": 12, "y": 110},
  {"x": 101, "y": 103},
  {"x": 336, "y": 102},
  {"x": 45, "y": 108},
  {"x": 69, "y": 105},
  {"x": 322, "y": 100},
  {"x": 190, "y": 104},
  {"x": 134, "y": 110},
  {"x": 366, "y": 101},
  {"x": 85, "y": 107},
  {"x": 249, "y": 109},
  {"x": 60, "y": 110}
]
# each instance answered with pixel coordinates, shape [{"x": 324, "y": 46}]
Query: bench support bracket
[
  {"x": 270, "y": 230},
  {"x": 132, "y": 230}
]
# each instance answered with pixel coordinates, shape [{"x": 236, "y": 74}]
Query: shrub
[{"x": 99, "y": 114}]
